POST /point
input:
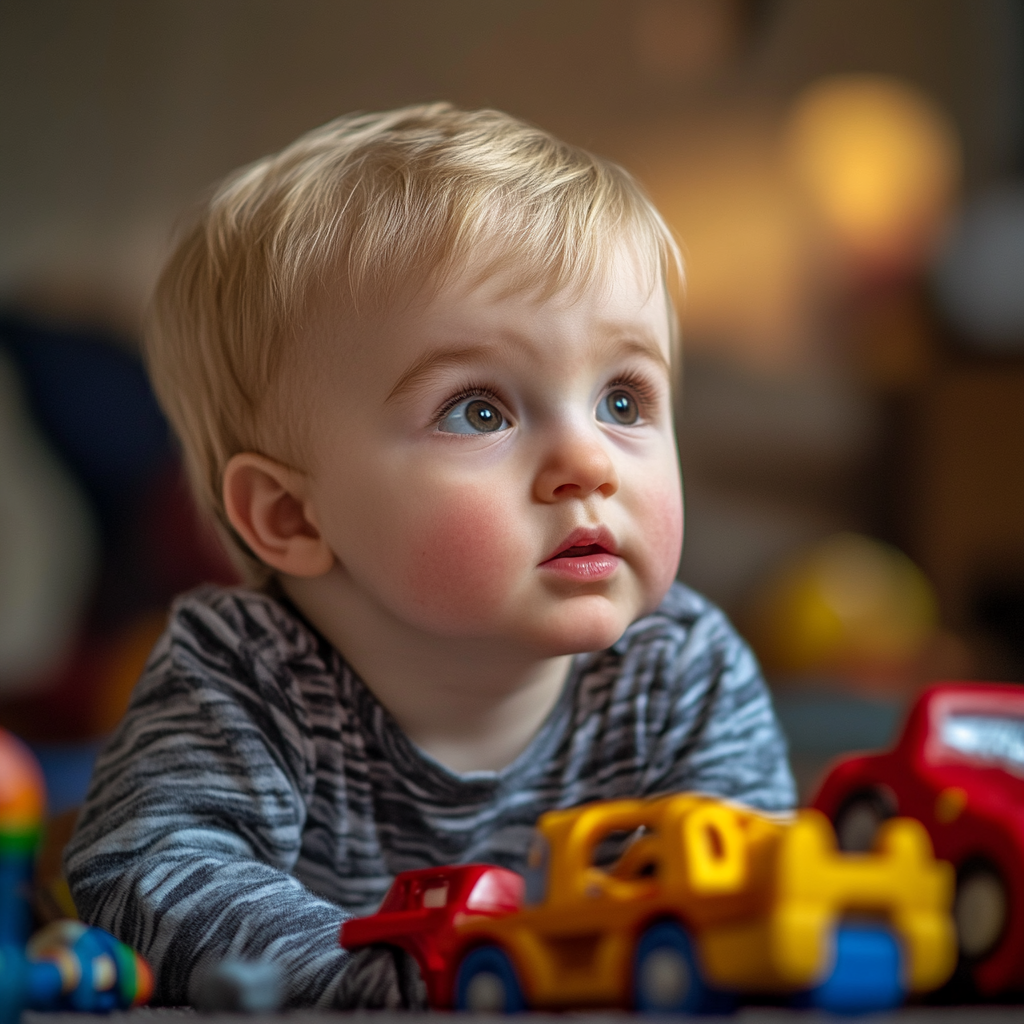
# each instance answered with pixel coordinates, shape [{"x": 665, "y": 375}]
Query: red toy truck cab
[
  {"x": 421, "y": 910},
  {"x": 958, "y": 767}
]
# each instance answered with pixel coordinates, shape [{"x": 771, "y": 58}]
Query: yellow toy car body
[{"x": 759, "y": 898}]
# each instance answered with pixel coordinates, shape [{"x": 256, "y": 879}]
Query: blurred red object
[{"x": 958, "y": 767}]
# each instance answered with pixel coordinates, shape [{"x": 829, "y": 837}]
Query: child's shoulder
[
  {"x": 233, "y": 603},
  {"x": 236, "y": 621},
  {"x": 243, "y": 652}
]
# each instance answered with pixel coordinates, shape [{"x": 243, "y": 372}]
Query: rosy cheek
[
  {"x": 461, "y": 561},
  {"x": 662, "y": 526}
]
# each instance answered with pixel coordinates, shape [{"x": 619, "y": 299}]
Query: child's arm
[{"x": 195, "y": 820}]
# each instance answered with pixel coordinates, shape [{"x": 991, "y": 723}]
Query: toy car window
[
  {"x": 435, "y": 896},
  {"x": 493, "y": 892},
  {"x": 610, "y": 848},
  {"x": 641, "y": 859},
  {"x": 986, "y": 737}
]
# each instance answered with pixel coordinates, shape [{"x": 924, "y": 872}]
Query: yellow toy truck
[{"x": 686, "y": 903}]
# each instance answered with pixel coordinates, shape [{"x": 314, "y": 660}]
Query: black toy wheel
[
  {"x": 981, "y": 909},
  {"x": 859, "y": 818},
  {"x": 667, "y": 977}
]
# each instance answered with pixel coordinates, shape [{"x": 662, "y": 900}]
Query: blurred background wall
[{"x": 847, "y": 181}]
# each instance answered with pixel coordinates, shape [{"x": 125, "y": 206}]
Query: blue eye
[
  {"x": 618, "y": 407},
  {"x": 474, "y": 416}
]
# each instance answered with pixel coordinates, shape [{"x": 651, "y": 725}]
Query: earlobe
[{"x": 267, "y": 504}]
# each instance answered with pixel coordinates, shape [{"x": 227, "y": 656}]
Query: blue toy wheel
[
  {"x": 867, "y": 975},
  {"x": 487, "y": 983},
  {"x": 667, "y": 977}
]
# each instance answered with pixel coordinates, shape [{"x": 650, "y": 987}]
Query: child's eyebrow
[
  {"x": 430, "y": 362},
  {"x": 646, "y": 348}
]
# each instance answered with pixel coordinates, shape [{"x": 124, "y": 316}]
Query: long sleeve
[{"x": 195, "y": 818}]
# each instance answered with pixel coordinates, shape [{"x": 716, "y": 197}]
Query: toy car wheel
[
  {"x": 859, "y": 818},
  {"x": 866, "y": 974},
  {"x": 667, "y": 977},
  {"x": 487, "y": 983},
  {"x": 980, "y": 910}
]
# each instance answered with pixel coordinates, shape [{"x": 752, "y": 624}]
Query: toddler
[{"x": 420, "y": 365}]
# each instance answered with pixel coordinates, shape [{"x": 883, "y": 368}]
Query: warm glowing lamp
[{"x": 879, "y": 161}]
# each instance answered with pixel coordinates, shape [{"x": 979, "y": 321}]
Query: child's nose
[{"x": 576, "y": 467}]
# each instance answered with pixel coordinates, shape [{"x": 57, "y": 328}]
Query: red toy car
[
  {"x": 421, "y": 910},
  {"x": 958, "y": 767}
]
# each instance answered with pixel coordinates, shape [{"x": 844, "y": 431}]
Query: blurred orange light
[
  {"x": 879, "y": 161},
  {"x": 743, "y": 229}
]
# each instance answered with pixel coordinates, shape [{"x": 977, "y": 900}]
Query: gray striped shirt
[{"x": 257, "y": 793}]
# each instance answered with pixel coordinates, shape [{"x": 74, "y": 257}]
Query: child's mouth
[
  {"x": 586, "y": 549},
  {"x": 586, "y": 554}
]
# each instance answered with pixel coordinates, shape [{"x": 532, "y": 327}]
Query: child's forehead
[
  {"x": 490, "y": 294},
  {"x": 618, "y": 296}
]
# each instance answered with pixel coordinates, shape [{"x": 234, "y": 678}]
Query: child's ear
[{"x": 266, "y": 503}]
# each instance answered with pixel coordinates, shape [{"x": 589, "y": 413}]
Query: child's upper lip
[{"x": 585, "y": 540}]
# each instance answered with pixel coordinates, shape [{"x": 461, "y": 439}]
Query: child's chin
[{"x": 591, "y": 629}]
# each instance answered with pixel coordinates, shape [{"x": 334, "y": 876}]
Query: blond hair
[{"x": 372, "y": 205}]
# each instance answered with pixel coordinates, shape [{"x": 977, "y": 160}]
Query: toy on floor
[
  {"x": 701, "y": 903},
  {"x": 67, "y": 965},
  {"x": 958, "y": 767},
  {"x": 241, "y": 986},
  {"x": 422, "y": 909},
  {"x": 74, "y": 967}
]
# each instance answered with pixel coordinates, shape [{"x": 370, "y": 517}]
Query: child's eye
[
  {"x": 619, "y": 407},
  {"x": 473, "y": 416}
]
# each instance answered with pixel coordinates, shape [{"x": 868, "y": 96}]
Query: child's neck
[{"x": 472, "y": 705}]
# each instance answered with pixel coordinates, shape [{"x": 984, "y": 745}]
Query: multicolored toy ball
[{"x": 75, "y": 967}]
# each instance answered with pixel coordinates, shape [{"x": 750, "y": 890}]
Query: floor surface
[{"x": 748, "y": 1015}]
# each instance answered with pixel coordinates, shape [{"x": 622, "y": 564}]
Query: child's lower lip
[{"x": 583, "y": 567}]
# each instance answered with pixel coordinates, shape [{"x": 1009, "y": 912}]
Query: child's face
[{"x": 503, "y": 466}]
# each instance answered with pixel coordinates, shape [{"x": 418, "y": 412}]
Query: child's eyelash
[
  {"x": 644, "y": 390},
  {"x": 473, "y": 391}
]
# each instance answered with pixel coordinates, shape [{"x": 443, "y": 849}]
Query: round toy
[{"x": 849, "y": 606}]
